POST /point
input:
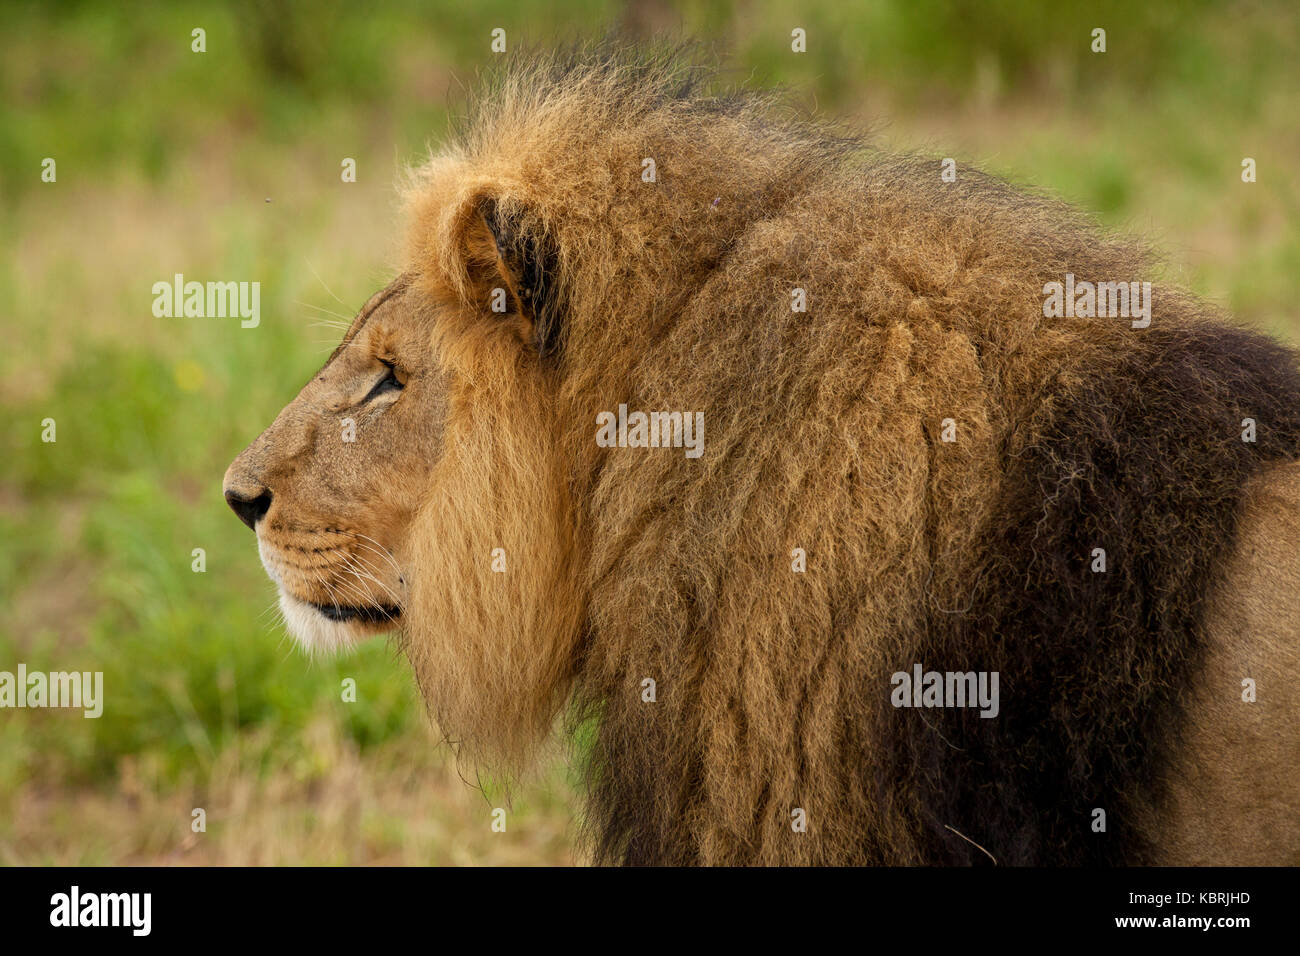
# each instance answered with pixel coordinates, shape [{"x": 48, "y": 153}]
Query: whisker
[
  {"x": 379, "y": 548},
  {"x": 322, "y": 282},
  {"x": 391, "y": 563},
  {"x": 321, "y": 308},
  {"x": 356, "y": 567},
  {"x": 336, "y": 326},
  {"x": 353, "y": 591},
  {"x": 334, "y": 598}
]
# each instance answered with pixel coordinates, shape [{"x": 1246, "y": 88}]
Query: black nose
[{"x": 250, "y": 510}]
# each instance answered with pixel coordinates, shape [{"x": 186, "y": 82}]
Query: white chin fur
[{"x": 314, "y": 632}]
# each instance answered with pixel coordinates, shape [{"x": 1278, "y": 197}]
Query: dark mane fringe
[{"x": 1143, "y": 459}]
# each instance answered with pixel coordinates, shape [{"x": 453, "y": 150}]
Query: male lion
[{"x": 904, "y": 466}]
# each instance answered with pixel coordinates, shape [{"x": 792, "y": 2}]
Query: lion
[{"x": 906, "y": 461}]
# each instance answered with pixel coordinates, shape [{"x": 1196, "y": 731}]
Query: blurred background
[{"x": 226, "y": 165}]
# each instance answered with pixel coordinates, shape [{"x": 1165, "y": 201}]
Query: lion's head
[{"x": 411, "y": 486}]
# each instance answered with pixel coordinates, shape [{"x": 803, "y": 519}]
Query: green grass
[{"x": 166, "y": 162}]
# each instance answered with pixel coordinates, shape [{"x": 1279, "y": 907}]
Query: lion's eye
[{"x": 389, "y": 383}]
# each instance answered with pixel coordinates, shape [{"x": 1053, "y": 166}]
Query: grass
[{"x": 226, "y": 165}]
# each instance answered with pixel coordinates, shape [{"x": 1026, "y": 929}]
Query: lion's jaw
[
  {"x": 327, "y": 629},
  {"x": 316, "y": 633}
]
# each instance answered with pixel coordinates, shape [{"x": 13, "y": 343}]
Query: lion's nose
[{"x": 251, "y": 507}]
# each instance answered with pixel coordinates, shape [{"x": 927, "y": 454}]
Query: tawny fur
[
  {"x": 822, "y": 433},
  {"x": 493, "y": 643}
]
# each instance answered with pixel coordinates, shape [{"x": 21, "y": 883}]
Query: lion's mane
[{"x": 823, "y": 432}]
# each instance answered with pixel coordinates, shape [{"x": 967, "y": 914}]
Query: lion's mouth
[{"x": 370, "y": 614}]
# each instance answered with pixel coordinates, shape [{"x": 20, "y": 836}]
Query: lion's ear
[{"x": 511, "y": 264}]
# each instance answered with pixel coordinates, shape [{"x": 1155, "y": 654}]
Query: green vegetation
[{"x": 225, "y": 164}]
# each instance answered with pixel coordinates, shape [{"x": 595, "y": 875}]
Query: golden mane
[{"x": 826, "y": 436}]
